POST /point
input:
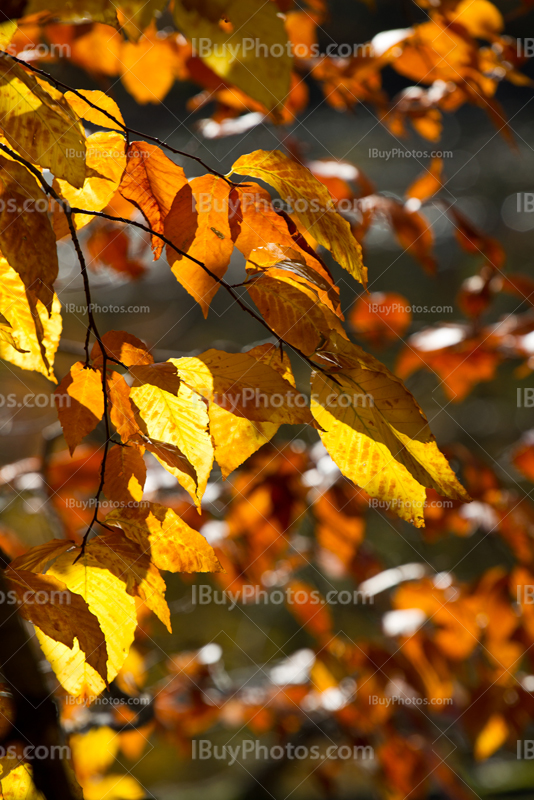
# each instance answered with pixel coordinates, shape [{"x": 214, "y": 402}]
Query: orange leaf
[
  {"x": 151, "y": 181},
  {"x": 80, "y": 403}
]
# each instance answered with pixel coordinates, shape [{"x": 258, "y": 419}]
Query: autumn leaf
[
  {"x": 131, "y": 562},
  {"x": 106, "y": 596},
  {"x": 65, "y": 616},
  {"x": 312, "y": 204},
  {"x": 180, "y": 420},
  {"x": 244, "y": 386},
  {"x": 381, "y": 317},
  {"x": 198, "y": 223},
  {"x": 377, "y": 434},
  {"x": 122, "y": 346},
  {"x": 37, "y": 332},
  {"x": 492, "y": 736},
  {"x": 36, "y": 558},
  {"x": 80, "y": 403},
  {"x": 151, "y": 181},
  {"x": 292, "y": 309},
  {"x": 234, "y": 437},
  {"x": 105, "y": 163},
  {"x": 173, "y": 545},
  {"x": 125, "y": 474},
  {"x": 39, "y": 123},
  {"x": 80, "y": 105},
  {"x": 121, "y": 411},
  {"x": 428, "y": 183},
  {"x": 263, "y": 77},
  {"x": 27, "y": 240}
]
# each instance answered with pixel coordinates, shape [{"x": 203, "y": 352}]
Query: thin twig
[{"x": 127, "y": 130}]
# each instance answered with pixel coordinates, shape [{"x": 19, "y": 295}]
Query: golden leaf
[
  {"x": 173, "y": 545},
  {"x": 260, "y": 73},
  {"x": 151, "y": 182},
  {"x": 80, "y": 403},
  {"x": 312, "y": 203},
  {"x": 180, "y": 420},
  {"x": 39, "y": 123}
]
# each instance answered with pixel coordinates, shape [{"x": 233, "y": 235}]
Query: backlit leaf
[
  {"x": 100, "y": 99},
  {"x": 26, "y": 236},
  {"x": 37, "y": 332},
  {"x": 173, "y": 545},
  {"x": 179, "y": 420},
  {"x": 311, "y": 202},
  {"x": 59, "y": 613},
  {"x": 80, "y": 403},
  {"x": 114, "y": 608},
  {"x": 377, "y": 434},
  {"x": 40, "y": 124},
  {"x": 125, "y": 474},
  {"x": 257, "y": 71},
  {"x": 207, "y": 218},
  {"x": 151, "y": 182}
]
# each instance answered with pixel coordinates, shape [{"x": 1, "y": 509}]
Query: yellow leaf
[
  {"x": 36, "y": 558},
  {"x": 199, "y": 225},
  {"x": 245, "y": 386},
  {"x": 125, "y": 474},
  {"x": 80, "y": 403},
  {"x": 16, "y": 781},
  {"x": 37, "y": 333},
  {"x": 59, "y": 613},
  {"x": 179, "y": 420},
  {"x": 236, "y": 438},
  {"x": 492, "y": 736},
  {"x": 292, "y": 309},
  {"x": 93, "y": 752},
  {"x": 100, "y": 99},
  {"x": 311, "y": 202},
  {"x": 377, "y": 434},
  {"x": 130, "y": 562},
  {"x": 151, "y": 182},
  {"x": 7, "y": 31},
  {"x": 41, "y": 127},
  {"x": 172, "y": 543},
  {"x": 105, "y": 163},
  {"x": 26, "y": 236},
  {"x": 114, "y": 608},
  {"x": 113, "y": 787},
  {"x": 262, "y": 72}
]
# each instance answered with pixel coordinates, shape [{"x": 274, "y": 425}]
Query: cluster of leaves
[{"x": 194, "y": 413}]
